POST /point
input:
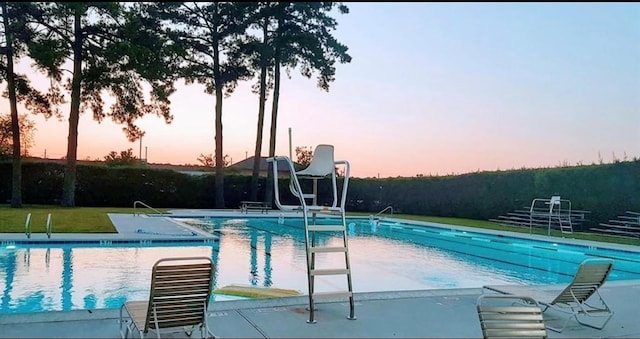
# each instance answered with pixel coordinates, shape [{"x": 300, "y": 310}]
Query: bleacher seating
[
  {"x": 626, "y": 225},
  {"x": 545, "y": 216}
]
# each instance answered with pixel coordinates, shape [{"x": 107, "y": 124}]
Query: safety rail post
[
  {"x": 138, "y": 202},
  {"x": 533, "y": 212},
  {"x": 49, "y": 225},
  {"x": 388, "y": 208},
  {"x": 27, "y": 226}
]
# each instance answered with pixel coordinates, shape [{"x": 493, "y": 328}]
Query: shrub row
[{"x": 606, "y": 190}]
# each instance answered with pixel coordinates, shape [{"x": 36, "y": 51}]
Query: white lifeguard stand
[
  {"x": 322, "y": 167},
  {"x": 555, "y": 211}
]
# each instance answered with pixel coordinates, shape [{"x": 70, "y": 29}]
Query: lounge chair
[
  {"x": 574, "y": 299},
  {"x": 510, "y": 316},
  {"x": 178, "y": 300}
]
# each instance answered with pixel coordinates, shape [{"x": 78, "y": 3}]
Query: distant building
[{"x": 245, "y": 167}]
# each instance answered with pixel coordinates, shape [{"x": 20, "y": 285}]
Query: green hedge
[{"x": 606, "y": 190}]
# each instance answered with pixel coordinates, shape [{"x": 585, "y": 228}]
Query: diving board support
[{"x": 322, "y": 166}]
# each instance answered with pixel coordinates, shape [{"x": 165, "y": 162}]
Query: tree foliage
[
  {"x": 14, "y": 35},
  {"x": 91, "y": 50},
  {"x": 27, "y": 129},
  {"x": 103, "y": 57},
  {"x": 207, "y": 34},
  {"x": 257, "y": 50},
  {"x": 125, "y": 158},
  {"x": 209, "y": 161},
  {"x": 303, "y": 39},
  {"x": 304, "y": 155}
]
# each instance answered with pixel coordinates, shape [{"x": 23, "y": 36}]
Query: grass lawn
[
  {"x": 63, "y": 219},
  {"x": 495, "y": 226},
  {"x": 95, "y": 220}
]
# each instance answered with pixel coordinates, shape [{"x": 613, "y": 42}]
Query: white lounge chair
[
  {"x": 579, "y": 300},
  {"x": 178, "y": 300},
  {"x": 510, "y": 316}
]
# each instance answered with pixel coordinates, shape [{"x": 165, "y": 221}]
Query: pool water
[{"x": 270, "y": 252}]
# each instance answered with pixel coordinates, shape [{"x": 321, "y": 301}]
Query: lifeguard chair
[
  {"x": 323, "y": 166},
  {"x": 557, "y": 211}
]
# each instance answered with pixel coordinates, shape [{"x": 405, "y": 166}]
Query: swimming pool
[{"x": 265, "y": 251}]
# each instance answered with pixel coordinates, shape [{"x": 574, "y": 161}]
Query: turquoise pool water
[{"x": 385, "y": 256}]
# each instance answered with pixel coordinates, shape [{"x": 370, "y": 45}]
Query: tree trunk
[
  {"x": 219, "y": 182},
  {"x": 257, "y": 158},
  {"x": 16, "y": 177},
  {"x": 69, "y": 184},
  {"x": 219, "y": 161},
  {"x": 274, "y": 119}
]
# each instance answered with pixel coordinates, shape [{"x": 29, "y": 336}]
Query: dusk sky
[{"x": 433, "y": 89}]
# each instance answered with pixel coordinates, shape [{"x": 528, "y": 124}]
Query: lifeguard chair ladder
[{"x": 322, "y": 166}]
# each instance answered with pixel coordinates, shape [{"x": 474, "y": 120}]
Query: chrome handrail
[
  {"x": 27, "y": 226},
  {"x": 135, "y": 203},
  {"x": 384, "y": 210},
  {"x": 294, "y": 184},
  {"x": 49, "y": 225}
]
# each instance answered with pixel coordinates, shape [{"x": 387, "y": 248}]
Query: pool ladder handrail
[
  {"x": 49, "y": 226},
  {"x": 138, "y": 202},
  {"x": 27, "y": 226},
  {"x": 388, "y": 208}
]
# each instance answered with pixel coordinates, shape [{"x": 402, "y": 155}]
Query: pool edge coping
[{"x": 247, "y": 304}]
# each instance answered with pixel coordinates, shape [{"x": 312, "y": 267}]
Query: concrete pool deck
[
  {"x": 447, "y": 313},
  {"x": 444, "y": 313}
]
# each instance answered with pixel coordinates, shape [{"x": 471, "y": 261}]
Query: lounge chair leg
[
  {"x": 124, "y": 325},
  {"x": 597, "y": 327},
  {"x": 188, "y": 331},
  {"x": 559, "y": 329},
  {"x": 124, "y": 332},
  {"x": 352, "y": 311}
]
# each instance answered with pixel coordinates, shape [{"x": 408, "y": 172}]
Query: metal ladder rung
[
  {"x": 565, "y": 225},
  {"x": 320, "y": 228},
  {"x": 325, "y": 228},
  {"x": 327, "y": 249},
  {"x": 324, "y": 209},
  {"x": 330, "y": 295},
  {"x": 332, "y": 271}
]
